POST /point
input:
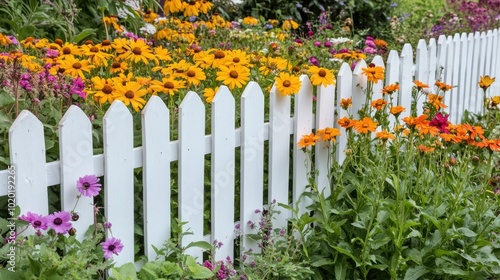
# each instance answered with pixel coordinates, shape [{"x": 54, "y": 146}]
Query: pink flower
[
  {"x": 59, "y": 222},
  {"x": 37, "y": 221},
  {"x": 111, "y": 246},
  {"x": 88, "y": 185}
]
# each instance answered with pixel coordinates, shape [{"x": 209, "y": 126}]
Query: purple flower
[
  {"x": 88, "y": 185},
  {"x": 369, "y": 50},
  {"x": 111, "y": 246},
  {"x": 317, "y": 44},
  {"x": 77, "y": 87},
  {"x": 314, "y": 61},
  {"x": 327, "y": 44},
  {"x": 107, "y": 225},
  {"x": 59, "y": 222},
  {"x": 208, "y": 265},
  {"x": 13, "y": 39},
  {"x": 37, "y": 221},
  {"x": 440, "y": 121},
  {"x": 370, "y": 43}
]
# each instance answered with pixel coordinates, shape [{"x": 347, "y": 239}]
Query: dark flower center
[
  {"x": 116, "y": 64},
  {"x": 61, "y": 70},
  {"x": 77, "y": 65},
  {"x": 37, "y": 223},
  {"x": 191, "y": 73},
  {"x": 58, "y": 221},
  {"x": 137, "y": 51},
  {"x": 86, "y": 185},
  {"x": 233, "y": 74},
  {"x": 236, "y": 59},
  {"x": 169, "y": 85},
  {"x": 106, "y": 43},
  {"x": 219, "y": 54},
  {"x": 107, "y": 89},
  {"x": 66, "y": 50},
  {"x": 192, "y": 2},
  {"x": 111, "y": 247},
  {"x": 287, "y": 83},
  {"x": 322, "y": 73},
  {"x": 94, "y": 49},
  {"x": 129, "y": 94},
  {"x": 58, "y": 41}
]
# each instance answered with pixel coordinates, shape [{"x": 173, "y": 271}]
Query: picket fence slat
[
  {"x": 325, "y": 108},
  {"x": 488, "y": 53},
  {"x": 406, "y": 79},
  {"x": 76, "y": 160},
  {"x": 476, "y": 101},
  {"x": 441, "y": 57},
  {"x": 279, "y": 152},
  {"x": 359, "y": 83},
  {"x": 223, "y": 171},
  {"x": 344, "y": 91},
  {"x": 377, "y": 88},
  {"x": 155, "y": 119},
  {"x": 119, "y": 177},
  {"x": 392, "y": 77},
  {"x": 431, "y": 62},
  {"x": 448, "y": 67},
  {"x": 453, "y": 94},
  {"x": 191, "y": 170},
  {"x": 495, "y": 68},
  {"x": 252, "y": 162},
  {"x": 462, "y": 83},
  {"x": 27, "y": 156}
]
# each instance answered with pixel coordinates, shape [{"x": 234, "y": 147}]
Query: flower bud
[
  {"x": 75, "y": 216},
  {"x": 72, "y": 231}
]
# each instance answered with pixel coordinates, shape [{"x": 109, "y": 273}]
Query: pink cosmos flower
[
  {"x": 88, "y": 185},
  {"x": 111, "y": 246}
]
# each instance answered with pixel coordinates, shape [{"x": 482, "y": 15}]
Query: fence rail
[{"x": 457, "y": 60}]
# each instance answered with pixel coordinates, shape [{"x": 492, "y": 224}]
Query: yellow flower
[
  {"x": 139, "y": 51},
  {"x": 191, "y": 8},
  {"x": 172, "y": 6},
  {"x": 384, "y": 135},
  {"x": 287, "y": 84},
  {"x": 289, "y": 24},
  {"x": 390, "y": 89},
  {"x": 69, "y": 49},
  {"x": 4, "y": 40},
  {"x": 233, "y": 76},
  {"x": 250, "y": 21},
  {"x": 194, "y": 75},
  {"x": 374, "y": 73},
  {"x": 209, "y": 94},
  {"x": 118, "y": 67},
  {"x": 485, "y": 82},
  {"x": 131, "y": 94},
  {"x": 167, "y": 85},
  {"x": 495, "y": 100},
  {"x": 321, "y": 76},
  {"x": 103, "y": 90},
  {"x": 205, "y": 6},
  {"x": 96, "y": 56},
  {"x": 75, "y": 67}
]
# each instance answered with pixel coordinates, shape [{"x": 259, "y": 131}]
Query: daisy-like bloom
[
  {"x": 113, "y": 21},
  {"x": 365, "y": 125},
  {"x": 131, "y": 93},
  {"x": 167, "y": 85},
  {"x": 194, "y": 75},
  {"x": 412, "y": 122},
  {"x": 96, "y": 56},
  {"x": 162, "y": 53},
  {"x": 76, "y": 67},
  {"x": 59, "y": 222},
  {"x": 139, "y": 51},
  {"x": 328, "y": 134},
  {"x": 103, "y": 90},
  {"x": 88, "y": 185},
  {"x": 420, "y": 85},
  {"x": 346, "y": 103},
  {"x": 495, "y": 100},
  {"x": 69, "y": 49},
  {"x": 121, "y": 45},
  {"x": 308, "y": 140},
  {"x": 378, "y": 104},
  {"x": 191, "y": 8},
  {"x": 209, "y": 94},
  {"x": 4, "y": 40},
  {"x": 250, "y": 21},
  {"x": 346, "y": 122},
  {"x": 384, "y": 135},
  {"x": 233, "y": 76},
  {"x": 321, "y": 76},
  {"x": 357, "y": 55},
  {"x": 118, "y": 67},
  {"x": 218, "y": 58},
  {"x": 172, "y": 6},
  {"x": 390, "y": 89},
  {"x": 106, "y": 45},
  {"x": 424, "y": 149},
  {"x": 205, "y": 6},
  {"x": 436, "y": 101},
  {"x": 29, "y": 42},
  {"x": 426, "y": 129},
  {"x": 287, "y": 84},
  {"x": 111, "y": 246},
  {"x": 374, "y": 73},
  {"x": 149, "y": 16},
  {"x": 397, "y": 110},
  {"x": 237, "y": 57},
  {"x": 442, "y": 86},
  {"x": 289, "y": 24},
  {"x": 381, "y": 44},
  {"x": 271, "y": 65},
  {"x": 485, "y": 82},
  {"x": 37, "y": 221}
]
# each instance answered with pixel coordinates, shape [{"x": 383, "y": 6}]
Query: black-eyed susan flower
[
  {"x": 118, "y": 67},
  {"x": 289, "y": 24},
  {"x": 139, "y": 51},
  {"x": 103, "y": 90},
  {"x": 69, "y": 49},
  {"x": 172, "y": 6},
  {"x": 168, "y": 86},
  {"x": 321, "y": 76},
  {"x": 250, "y": 20},
  {"x": 287, "y": 84},
  {"x": 191, "y": 8},
  {"x": 75, "y": 67},
  {"x": 209, "y": 94},
  {"x": 233, "y": 76},
  {"x": 96, "y": 56},
  {"x": 131, "y": 94},
  {"x": 194, "y": 75}
]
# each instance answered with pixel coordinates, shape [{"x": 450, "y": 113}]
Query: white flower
[
  {"x": 339, "y": 40},
  {"x": 148, "y": 28}
]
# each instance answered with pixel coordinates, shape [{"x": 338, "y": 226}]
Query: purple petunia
[
  {"x": 59, "y": 221},
  {"x": 111, "y": 246},
  {"x": 37, "y": 221},
  {"x": 88, "y": 185}
]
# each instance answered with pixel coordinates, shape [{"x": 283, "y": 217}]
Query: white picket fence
[{"x": 463, "y": 58}]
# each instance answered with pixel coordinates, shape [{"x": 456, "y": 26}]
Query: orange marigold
[
  {"x": 346, "y": 103},
  {"x": 442, "y": 86},
  {"x": 365, "y": 125},
  {"x": 378, "y": 104},
  {"x": 308, "y": 140},
  {"x": 396, "y": 110},
  {"x": 436, "y": 101},
  {"x": 420, "y": 85},
  {"x": 384, "y": 135},
  {"x": 346, "y": 122},
  {"x": 328, "y": 134},
  {"x": 374, "y": 73},
  {"x": 390, "y": 89},
  {"x": 424, "y": 149}
]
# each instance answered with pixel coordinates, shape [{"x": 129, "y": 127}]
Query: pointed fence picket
[{"x": 459, "y": 60}]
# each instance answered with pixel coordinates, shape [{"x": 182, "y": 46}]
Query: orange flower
[
  {"x": 396, "y": 110},
  {"x": 425, "y": 149},
  {"x": 442, "y": 86},
  {"x": 425, "y": 128},
  {"x": 384, "y": 135},
  {"x": 346, "y": 103},
  {"x": 379, "y": 104},
  {"x": 420, "y": 85},
  {"x": 485, "y": 82},
  {"x": 436, "y": 101},
  {"x": 411, "y": 121},
  {"x": 380, "y": 44},
  {"x": 365, "y": 125},
  {"x": 308, "y": 140},
  {"x": 346, "y": 122},
  {"x": 328, "y": 134},
  {"x": 374, "y": 73},
  {"x": 495, "y": 100},
  {"x": 390, "y": 89}
]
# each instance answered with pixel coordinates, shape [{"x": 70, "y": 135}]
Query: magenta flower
[
  {"x": 88, "y": 185},
  {"x": 37, "y": 221},
  {"x": 441, "y": 122},
  {"x": 111, "y": 246},
  {"x": 59, "y": 222}
]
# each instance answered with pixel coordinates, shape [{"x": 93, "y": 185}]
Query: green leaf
[
  {"x": 150, "y": 271},
  {"x": 35, "y": 266},
  {"x": 197, "y": 271},
  {"x": 200, "y": 244},
  {"x": 340, "y": 270},
  {"x": 466, "y": 232},
  {"x": 415, "y": 272},
  {"x": 124, "y": 272},
  {"x": 83, "y": 35},
  {"x": 6, "y": 99}
]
